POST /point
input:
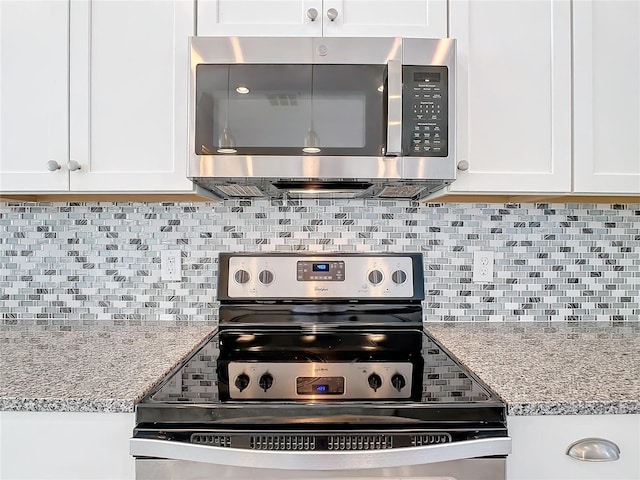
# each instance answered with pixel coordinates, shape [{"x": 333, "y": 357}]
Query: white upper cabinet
[
  {"x": 385, "y": 18},
  {"x": 100, "y": 87},
  {"x": 606, "y": 82},
  {"x": 34, "y": 102},
  {"x": 513, "y": 96},
  {"x": 315, "y": 18},
  {"x": 129, "y": 77},
  {"x": 259, "y": 18}
]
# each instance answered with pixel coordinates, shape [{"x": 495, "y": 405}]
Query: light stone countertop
[
  {"x": 552, "y": 368},
  {"x": 89, "y": 371},
  {"x": 538, "y": 369}
]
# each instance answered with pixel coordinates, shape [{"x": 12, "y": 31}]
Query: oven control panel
[
  {"x": 322, "y": 276},
  {"x": 316, "y": 381}
]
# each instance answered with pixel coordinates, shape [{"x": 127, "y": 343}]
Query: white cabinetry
[
  {"x": 34, "y": 102},
  {"x": 606, "y": 92},
  {"x": 540, "y": 443},
  {"x": 99, "y": 83},
  {"x": 513, "y": 95},
  {"x": 337, "y": 18},
  {"x": 66, "y": 446}
]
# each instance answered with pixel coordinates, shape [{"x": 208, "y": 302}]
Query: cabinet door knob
[
  {"x": 312, "y": 14},
  {"x": 52, "y": 166},
  {"x": 73, "y": 165},
  {"x": 332, "y": 13},
  {"x": 594, "y": 450},
  {"x": 463, "y": 165}
]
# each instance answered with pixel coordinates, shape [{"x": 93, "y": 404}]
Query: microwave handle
[{"x": 394, "y": 108}]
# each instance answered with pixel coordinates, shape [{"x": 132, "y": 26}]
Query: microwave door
[
  {"x": 348, "y": 106},
  {"x": 291, "y": 110},
  {"x": 394, "y": 108}
]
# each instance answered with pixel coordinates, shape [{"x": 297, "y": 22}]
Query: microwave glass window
[{"x": 291, "y": 109}]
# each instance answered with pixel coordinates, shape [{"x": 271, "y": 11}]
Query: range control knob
[
  {"x": 265, "y": 277},
  {"x": 266, "y": 381},
  {"x": 375, "y": 382},
  {"x": 399, "y": 277},
  {"x": 242, "y": 276},
  {"x": 375, "y": 277},
  {"x": 398, "y": 382},
  {"x": 242, "y": 381}
]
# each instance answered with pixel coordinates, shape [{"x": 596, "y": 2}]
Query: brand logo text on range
[{"x": 320, "y": 289}]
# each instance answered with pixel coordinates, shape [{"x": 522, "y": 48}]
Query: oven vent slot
[
  {"x": 359, "y": 442},
  {"x": 211, "y": 439},
  {"x": 430, "y": 439},
  {"x": 283, "y": 442}
]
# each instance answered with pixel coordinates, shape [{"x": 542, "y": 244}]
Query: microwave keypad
[{"x": 425, "y": 111}]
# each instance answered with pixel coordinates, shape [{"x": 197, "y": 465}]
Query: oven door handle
[{"x": 325, "y": 460}]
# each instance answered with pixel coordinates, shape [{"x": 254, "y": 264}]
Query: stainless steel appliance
[
  {"x": 320, "y": 368},
  {"x": 346, "y": 117}
]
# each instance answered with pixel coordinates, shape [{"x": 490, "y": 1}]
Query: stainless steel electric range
[{"x": 320, "y": 368}]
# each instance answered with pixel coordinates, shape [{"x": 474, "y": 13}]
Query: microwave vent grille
[
  {"x": 236, "y": 190},
  {"x": 401, "y": 191}
]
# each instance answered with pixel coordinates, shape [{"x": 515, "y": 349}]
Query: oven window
[{"x": 290, "y": 110}]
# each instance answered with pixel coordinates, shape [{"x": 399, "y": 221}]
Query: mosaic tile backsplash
[{"x": 75, "y": 265}]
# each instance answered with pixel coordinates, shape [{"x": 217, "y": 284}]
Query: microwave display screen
[{"x": 424, "y": 77}]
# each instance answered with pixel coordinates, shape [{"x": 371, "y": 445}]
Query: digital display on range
[
  {"x": 320, "y": 385},
  {"x": 325, "y": 271}
]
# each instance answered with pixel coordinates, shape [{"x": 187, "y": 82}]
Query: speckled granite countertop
[
  {"x": 552, "y": 369},
  {"x": 89, "y": 371},
  {"x": 538, "y": 369}
]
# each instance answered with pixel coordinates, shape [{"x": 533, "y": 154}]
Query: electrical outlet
[
  {"x": 170, "y": 265},
  {"x": 482, "y": 267}
]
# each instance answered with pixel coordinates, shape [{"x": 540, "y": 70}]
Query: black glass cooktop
[
  {"x": 231, "y": 378},
  {"x": 437, "y": 378}
]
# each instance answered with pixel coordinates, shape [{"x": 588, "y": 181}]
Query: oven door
[
  {"x": 481, "y": 459},
  {"x": 466, "y": 469}
]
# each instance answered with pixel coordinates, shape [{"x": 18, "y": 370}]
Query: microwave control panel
[{"x": 425, "y": 111}]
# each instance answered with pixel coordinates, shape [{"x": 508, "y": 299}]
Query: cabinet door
[
  {"x": 385, "y": 18},
  {"x": 129, "y": 75},
  {"x": 606, "y": 96},
  {"x": 66, "y": 445},
  {"x": 513, "y": 95},
  {"x": 335, "y": 18},
  {"x": 34, "y": 73},
  {"x": 539, "y": 445},
  {"x": 259, "y": 18}
]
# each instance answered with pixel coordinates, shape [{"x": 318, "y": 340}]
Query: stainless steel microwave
[{"x": 339, "y": 117}]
